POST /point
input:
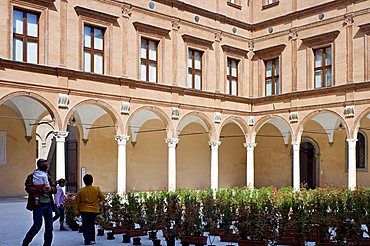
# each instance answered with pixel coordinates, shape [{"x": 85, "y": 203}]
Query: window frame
[
  {"x": 193, "y": 69},
  {"x": 324, "y": 66},
  {"x": 266, "y": 4},
  {"x": 92, "y": 49},
  {"x": 229, "y": 77},
  {"x": 24, "y": 37},
  {"x": 273, "y": 76},
  {"x": 147, "y": 60}
]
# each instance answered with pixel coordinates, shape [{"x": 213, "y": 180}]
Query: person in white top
[{"x": 41, "y": 182}]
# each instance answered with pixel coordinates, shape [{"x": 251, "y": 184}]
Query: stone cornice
[
  {"x": 44, "y": 3},
  {"x": 96, "y": 15},
  {"x": 324, "y": 38},
  {"x": 146, "y": 28},
  {"x": 79, "y": 75},
  {"x": 255, "y": 26},
  {"x": 195, "y": 40},
  {"x": 234, "y": 50},
  {"x": 270, "y": 51},
  {"x": 365, "y": 27}
]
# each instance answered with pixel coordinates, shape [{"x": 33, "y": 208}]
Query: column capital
[
  {"x": 293, "y": 34},
  {"x": 214, "y": 144},
  {"x": 172, "y": 142},
  {"x": 250, "y": 145},
  {"x": 60, "y": 136},
  {"x": 296, "y": 145},
  {"x": 348, "y": 20},
  {"x": 121, "y": 139},
  {"x": 175, "y": 24},
  {"x": 351, "y": 142}
]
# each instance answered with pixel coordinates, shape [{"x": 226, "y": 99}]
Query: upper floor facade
[{"x": 233, "y": 50}]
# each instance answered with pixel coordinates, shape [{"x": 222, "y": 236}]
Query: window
[
  {"x": 323, "y": 67},
  {"x": 148, "y": 54},
  {"x": 195, "y": 69},
  {"x": 361, "y": 151},
  {"x": 272, "y": 77},
  {"x": 271, "y": 1},
  {"x": 93, "y": 49},
  {"x": 232, "y": 77},
  {"x": 232, "y": 1},
  {"x": 25, "y": 36}
]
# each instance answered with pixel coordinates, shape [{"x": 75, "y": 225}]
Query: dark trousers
[
  {"x": 88, "y": 226},
  {"x": 59, "y": 213},
  {"x": 43, "y": 210}
]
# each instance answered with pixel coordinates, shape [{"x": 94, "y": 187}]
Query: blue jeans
[
  {"x": 59, "y": 213},
  {"x": 43, "y": 210}
]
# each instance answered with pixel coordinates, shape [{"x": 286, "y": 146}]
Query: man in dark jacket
[{"x": 43, "y": 209}]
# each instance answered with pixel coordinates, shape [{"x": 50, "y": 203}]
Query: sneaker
[{"x": 92, "y": 242}]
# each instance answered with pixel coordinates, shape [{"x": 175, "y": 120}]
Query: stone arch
[
  {"x": 104, "y": 107},
  {"x": 279, "y": 122},
  {"x": 142, "y": 115},
  {"x": 49, "y": 107},
  {"x": 240, "y": 122},
  {"x": 199, "y": 118},
  {"x": 328, "y": 119},
  {"x": 357, "y": 122}
]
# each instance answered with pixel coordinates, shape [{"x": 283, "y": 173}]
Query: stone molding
[{"x": 96, "y": 15}]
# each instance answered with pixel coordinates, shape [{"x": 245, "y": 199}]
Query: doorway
[
  {"x": 308, "y": 157},
  {"x": 71, "y": 147}
]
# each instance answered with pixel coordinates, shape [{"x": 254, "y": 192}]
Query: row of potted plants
[{"x": 250, "y": 216}]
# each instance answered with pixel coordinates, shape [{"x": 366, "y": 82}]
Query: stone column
[
  {"x": 250, "y": 164},
  {"x": 121, "y": 163},
  {"x": 214, "y": 163},
  {"x": 296, "y": 165},
  {"x": 351, "y": 163},
  {"x": 60, "y": 138},
  {"x": 172, "y": 142}
]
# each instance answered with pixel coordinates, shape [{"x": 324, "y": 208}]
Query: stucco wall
[{"x": 20, "y": 155}]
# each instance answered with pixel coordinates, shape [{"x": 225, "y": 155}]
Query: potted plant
[
  {"x": 70, "y": 214},
  {"x": 256, "y": 213},
  {"x": 191, "y": 228},
  {"x": 210, "y": 214},
  {"x": 172, "y": 217},
  {"x": 153, "y": 212},
  {"x": 227, "y": 209}
]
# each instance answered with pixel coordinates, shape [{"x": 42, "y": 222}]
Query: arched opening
[{"x": 308, "y": 165}]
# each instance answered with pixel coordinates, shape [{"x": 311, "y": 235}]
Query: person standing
[
  {"x": 44, "y": 208},
  {"x": 59, "y": 204},
  {"x": 87, "y": 205}
]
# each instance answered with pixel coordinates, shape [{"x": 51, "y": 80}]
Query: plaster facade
[{"x": 171, "y": 136}]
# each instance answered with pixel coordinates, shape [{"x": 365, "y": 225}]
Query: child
[
  {"x": 59, "y": 204},
  {"x": 41, "y": 182}
]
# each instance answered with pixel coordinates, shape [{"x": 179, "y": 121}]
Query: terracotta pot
[
  {"x": 119, "y": 229},
  {"x": 137, "y": 232},
  {"x": 197, "y": 240},
  {"x": 225, "y": 237},
  {"x": 243, "y": 242},
  {"x": 216, "y": 231}
]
